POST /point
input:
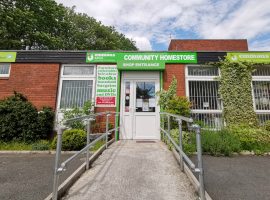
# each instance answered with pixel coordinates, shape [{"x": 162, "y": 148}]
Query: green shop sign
[
  {"x": 141, "y": 61},
  {"x": 256, "y": 57},
  {"x": 8, "y": 56}
]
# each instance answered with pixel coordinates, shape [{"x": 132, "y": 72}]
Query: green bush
[
  {"x": 21, "y": 121},
  {"x": 45, "y": 122},
  {"x": 267, "y": 125},
  {"x": 252, "y": 139},
  {"x": 220, "y": 143},
  {"x": 74, "y": 139},
  {"x": 189, "y": 140},
  {"x": 41, "y": 145},
  {"x": 78, "y": 112}
]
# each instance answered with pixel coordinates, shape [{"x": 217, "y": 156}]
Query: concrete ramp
[{"x": 131, "y": 170}]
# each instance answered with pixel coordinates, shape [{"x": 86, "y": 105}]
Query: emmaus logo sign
[
  {"x": 141, "y": 61},
  {"x": 8, "y": 56},
  {"x": 256, "y": 57}
]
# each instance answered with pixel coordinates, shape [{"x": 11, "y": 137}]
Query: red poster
[{"x": 100, "y": 101}]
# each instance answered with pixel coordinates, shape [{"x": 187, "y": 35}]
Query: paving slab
[{"x": 134, "y": 171}]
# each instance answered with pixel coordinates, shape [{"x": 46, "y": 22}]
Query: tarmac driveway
[
  {"x": 238, "y": 177},
  {"x": 30, "y": 176}
]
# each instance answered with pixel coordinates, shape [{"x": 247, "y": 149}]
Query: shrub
[
  {"x": 171, "y": 103},
  {"x": 252, "y": 139},
  {"x": 74, "y": 139},
  {"x": 20, "y": 120},
  {"x": 45, "y": 122},
  {"x": 267, "y": 125},
  {"x": 189, "y": 140},
  {"x": 41, "y": 145},
  {"x": 78, "y": 112},
  {"x": 220, "y": 143}
]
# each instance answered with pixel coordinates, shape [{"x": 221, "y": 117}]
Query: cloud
[{"x": 151, "y": 22}]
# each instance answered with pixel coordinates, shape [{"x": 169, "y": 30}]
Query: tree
[{"x": 43, "y": 24}]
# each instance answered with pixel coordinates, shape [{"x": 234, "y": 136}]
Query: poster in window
[
  {"x": 106, "y": 86},
  {"x": 145, "y": 106}
]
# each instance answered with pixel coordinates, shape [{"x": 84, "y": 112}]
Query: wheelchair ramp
[{"x": 129, "y": 170}]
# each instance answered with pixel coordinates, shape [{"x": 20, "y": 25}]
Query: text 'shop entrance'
[{"x": 139, "y": 105}]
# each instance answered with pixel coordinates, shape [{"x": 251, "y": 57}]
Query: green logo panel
[{"x": 8, "y": 56}]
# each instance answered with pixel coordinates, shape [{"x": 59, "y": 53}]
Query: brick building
[{"x": 127, "y": 81}]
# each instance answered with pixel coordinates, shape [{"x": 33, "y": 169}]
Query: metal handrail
[
  {"x": 89, "y": 118},
  {"x": 179, "y": 148},
  {"x": 85, "y": 117}
]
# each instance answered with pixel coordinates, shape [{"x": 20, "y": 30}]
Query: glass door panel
[
  {"x": 127, "y": 96},
  {"x": 145, "y": 97}
]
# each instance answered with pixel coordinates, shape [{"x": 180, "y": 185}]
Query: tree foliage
[{"x": 44, "y": 24}]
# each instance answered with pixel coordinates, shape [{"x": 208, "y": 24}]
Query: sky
[{"x": 153, "y": 23}]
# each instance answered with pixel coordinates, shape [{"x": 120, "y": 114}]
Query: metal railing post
[
  {"x": 115, "y": 126},
  {"x": 168, "y": 126},
  {"x": 107, "y": 129},
  {"x": 181, "y": 144},
  {"x": 200, "y": 163},
  {"x": 57, "y": 159},
  {"x": 87, "y": 142}
]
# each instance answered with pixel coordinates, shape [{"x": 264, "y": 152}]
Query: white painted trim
[
  {"x": 65, "y": 77},
  {"x": 206, "y": 111},
  {"x": 9, "y": 68},
  {"x": 79, "y": 76}
]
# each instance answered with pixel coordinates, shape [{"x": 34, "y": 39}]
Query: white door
[{"x": 139, "y": 105}]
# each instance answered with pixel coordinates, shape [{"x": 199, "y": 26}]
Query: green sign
[
  {"x": 101, "y": 57},
  {"x": 256, "y": 57},
  {"x": 141, "y": 61},
  {"x": 8, "y": 56}
]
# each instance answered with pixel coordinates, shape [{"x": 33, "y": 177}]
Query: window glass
[
  {"x": 78, "y": 70},
  {"x": 202, "y": 71},
  {"x": 4, "y": 69},
  {"x": 127, "y": 96},
  {"x": 262, "y": 71},
  {"x": 145, "y": 97},
  {"x": 75, "y": 93},
  {"x": 261, "y": 90},
  {"x": 204, "y": 95}
]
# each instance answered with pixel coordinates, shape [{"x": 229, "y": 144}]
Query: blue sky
[{"x": 152, "y": 23}]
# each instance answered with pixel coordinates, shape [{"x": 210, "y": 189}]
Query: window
[
  {"x": 77, "y": 85},
  {"x": 4, "y": 70},
  {"x": 261, "y": 92},
  {"x": 202, "y": 91},
  {"x": 78, "y": 70}
]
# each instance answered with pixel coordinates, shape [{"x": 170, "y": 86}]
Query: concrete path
[{"x": 130, "y": 170}]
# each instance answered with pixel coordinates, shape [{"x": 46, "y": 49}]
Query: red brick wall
[
  {"x": 177, "y": 70},
  {"x": 208, "y": 45},
  {"x": 101, "y": 120},
  {"x": 38, "y": 81}
]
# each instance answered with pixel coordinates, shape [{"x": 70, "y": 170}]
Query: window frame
[
  {"x": 9, "y": 69},
  {"x": 200, "y": 78},
  {"x": 259, "y": 79},
  {"x": 63, "y": 77}
]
